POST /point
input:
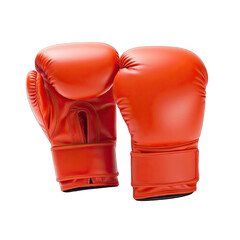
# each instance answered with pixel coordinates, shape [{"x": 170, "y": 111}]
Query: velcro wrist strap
[
  {"x": 165, "y": 168},
  {"x": 85, "y": 160}
]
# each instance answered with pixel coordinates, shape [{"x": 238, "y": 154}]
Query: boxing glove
[
  {"x": 160, "y": 92},
  {"x": 71, "y": 97}
]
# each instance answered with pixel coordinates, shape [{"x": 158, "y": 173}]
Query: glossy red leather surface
[
  {"x": 71, "y": 97},
  {"x": 160, "y": 92}
]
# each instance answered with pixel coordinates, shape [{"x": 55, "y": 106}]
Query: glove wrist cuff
[
  {"x": 85, "y": 165},
  {"x": 164, "y": 173}
]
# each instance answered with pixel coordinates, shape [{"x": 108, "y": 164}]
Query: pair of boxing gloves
[{"x": 160, "y": 92}]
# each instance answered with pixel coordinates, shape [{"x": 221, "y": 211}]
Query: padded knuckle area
[{"x": 79, "y": 70}]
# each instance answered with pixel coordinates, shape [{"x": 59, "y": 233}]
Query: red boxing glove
[
  {"x": 160, "y": 92},
  {"x": 71, "y": 97}
]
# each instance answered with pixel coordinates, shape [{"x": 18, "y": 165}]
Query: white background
[{"x": 31, "y": 203}]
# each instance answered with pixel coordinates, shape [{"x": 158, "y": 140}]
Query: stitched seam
[
  {"x": 165, "y": 193},
  {"x": 166, "y": 184},
  {"x": 164, "y": 147},
  {"x": 102, "y": 144},
  {"x": 163, "y": 153},
  {"x": 87, "y": 176}
]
